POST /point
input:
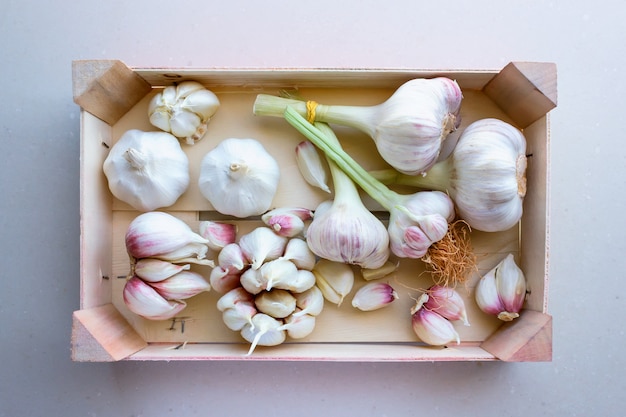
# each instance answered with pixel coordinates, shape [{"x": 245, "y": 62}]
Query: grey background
[{"x": 39, "y": 201}]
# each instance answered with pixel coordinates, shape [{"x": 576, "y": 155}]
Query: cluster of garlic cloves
[
  {"x": 183, "y": 110},
  {"x": 502, "y": 291},
  {"x": 433, "y": 314}
]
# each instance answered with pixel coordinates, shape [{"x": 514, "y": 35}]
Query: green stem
[
  {"x": 377, "y": 190},
  {"x": 436, "y": 178}
]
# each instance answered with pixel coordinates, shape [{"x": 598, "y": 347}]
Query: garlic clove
[
  {"x": 155, "y": 270},
  {"x": 502, "y": 291},
  {"x": 145, "y": 301},
  {"x": 253, "y": 281},
  {"x": 240, "y": 315},
  {"x": 191, "y": 252},
  {"x": 276, "y": 303},
  {"x": 183, "y": 123},
  {"x": 298, "y": 252},
  {"x": 373, "y": 274},
  {"x": 309, "y": 302},
  {"x": 232, "y": 259},
  {"x": 373, "y": 296},
  {"x": 302, "y": 280},
  {"x": 334, "y": 279},
  {"x": 261, "y": 245},
  {"x": 486, "y": 294},
  {"x": 287, "y": 221},
  {"x": 181, "y": 286},
  {"x": 299, "y": 326},
  {"x": 234, "y": 297},
  {"x": 263, "y": 331},
  {"x": 311, "y": 166},
  {"x": 277, "y": 273},
  {"x": 161, "y": 119},
  {"x": 222, "y": 282},
  {"x": 447, "y": 302},
  {"x": 203, "y": 102},
  {"x": 157, "y": 233},
  {"x": 217, "y": 234},
  {"x": 433, "y": 329}
]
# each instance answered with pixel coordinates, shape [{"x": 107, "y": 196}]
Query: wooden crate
[{"x": 114, "y": 98}]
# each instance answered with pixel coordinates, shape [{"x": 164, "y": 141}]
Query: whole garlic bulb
[
  {"x": 239, "y": 177},
  {"x": 183, "y": 110},
  {"x": 147, "y": 170}
]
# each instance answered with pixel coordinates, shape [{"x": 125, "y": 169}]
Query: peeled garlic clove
[
  {"x": 145, "y": 301},
  {"x": 311, "y": 166},
  {"x": 276, "y": 303},
  {"x": 373, "y": 274},
  {"x": 155, "y": 270},
  {"x": 334, "y": 279},
  {"x": 264, "y": 331},
  {"x": 217, "y": 234},
  {"x": 309, "y": 302},
  {"x": 502, "y": 291},
  {"x": 261, "y": 245},
  {"x": 299, "y": 326},
  {"x": 277, "y": 273},
  {"x": 433, "y": 329},
  {"x": 231, "y": 258},
  {"x": 181, "y": 286},
  {"x": 222, "y": 282},
  {"x": 374, "y": 296},
  {"x": 447, "y": 302},
  {"x": 298, "y": 252},
  {"x": 234, "y": 297},
  {"x": 153, "y": 234}
]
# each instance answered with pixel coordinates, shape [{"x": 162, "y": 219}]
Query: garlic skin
[
  {"x": 261, "y": 245},
  {"x": 334, "y": 279},
  {"x": 311, "y": 166},
  {"x": 374, "y": 296},
  {"x": 263, "y": 331},
  {"x": 218, "y": 234},
  {"x": 239, "y": 177},
  {"x": 447, "y": 302},
  {"x": 145, "y": 301},
  {"x": 155, "y": 270},
  {"x": 276, "y": 303},
  {"x": 147, "y": 170},
  {"x": 181, "y": 286},
  {"x": 183, "y": 110},
  {"x": 502, "y": 291},
  {"x": 161, "y": 235}
]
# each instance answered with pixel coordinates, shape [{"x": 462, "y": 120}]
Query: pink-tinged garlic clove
[
  {"x": 218, "y": 234},
  {"x": 373, "y": 296},
  {"x": 447, "y": 302},
  {"x": 145, "y": 301},
  {"x": 502, "y": 291},
  {"x": 262, "y": 245},
  {"x": 155, "y": 270},
  {"x": 181, "y": 286}
]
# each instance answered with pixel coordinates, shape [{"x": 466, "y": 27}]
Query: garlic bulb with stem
[
  {"x": 408, "y": 128},
  {"x": 345, "y": 230},
  {"x": 147, "y": 170},
  {"x": 239, "y": 177},
  {"x": 485, "y": 175},
  {"x": 502, "y": 291},
  {"x": 416, "y": 221},
  {"x": 183, "y": 110}
]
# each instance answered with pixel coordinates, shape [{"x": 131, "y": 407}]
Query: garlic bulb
[
  {"x": 145, "y": 301},
  {"x": 311, "y": 166},
  {"x": 344, "y": 230},
  {"x": 183, "y": 110},
  {"x": 334, "y": 279},
  {"x": 502, "y": 291},
  {"x": 408, "y": 128},
  {"x": 239, "y": 177},
  {"x": 373, "y": 296},
  {"x": 485, "y": 175},
  {"x": 147, "y": 170},
  {"x": 160, "y": 235}
]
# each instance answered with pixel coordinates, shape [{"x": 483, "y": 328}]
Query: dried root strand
[{"x": 451, "y": 260}]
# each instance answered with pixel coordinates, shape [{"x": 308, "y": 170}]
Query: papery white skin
[
  {"x": 154, "y": 234},
  {"x": 309, "y": 302},
  {"x": 184, "y": 110},
  {"x": 299, "y": 326},
  {"x": 310, "y": 165},
  {"x": 334, "y": 279},
  {"x": 147, "y": 170},
  {"x": 264, "y": 331},
  {"x": 373, "y": 296},
  {"x": 181, "y": 286},
  {"x": 276, "y": 303},
  {"x": 298, "y": 252},
  {"x": 145, "y": 301},
  {"x": 239, "y": 177},
  {"x": 262, "y": 245},
  {"x": 447, "y": 302},
  {"x": 155, "y": 270},
  {"x": 217, "y": 234},
  {"x": 344, "y": 230},
  {"x": 222, "y": 281},
  {"x": 502, "y": 291},
  {"x": 408, "y": 128}
]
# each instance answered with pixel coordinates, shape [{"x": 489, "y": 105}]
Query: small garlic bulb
[
  {"x": 147, "y": 170},
  {"x": 239, "y": 177},
  {"x": 183, "y": 110}
]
